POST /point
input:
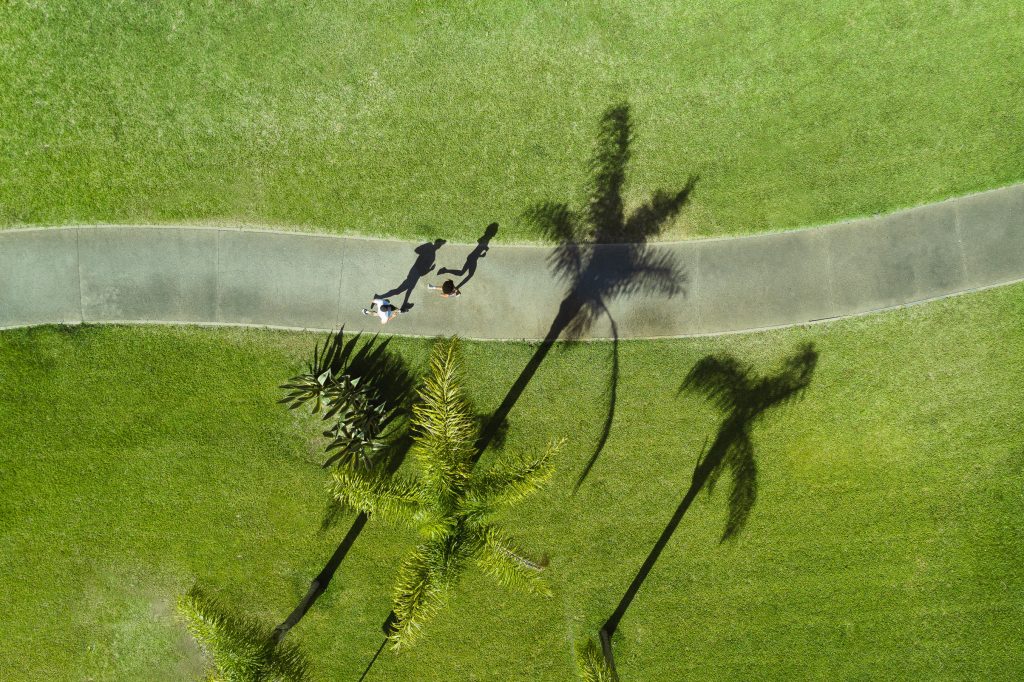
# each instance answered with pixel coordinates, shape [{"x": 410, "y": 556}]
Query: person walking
[
  {"x": 382, "y": 308},
  {"x": 447, "y": 289}
]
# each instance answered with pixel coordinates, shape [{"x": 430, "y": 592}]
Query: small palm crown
[
  {"x": 358, "y": 411},
  {"x": 241, "y": 648},
  {"x": 448, "y": 501}
]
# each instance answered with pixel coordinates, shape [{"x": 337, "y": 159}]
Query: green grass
[
  {"x": 886, "y": 541},
  {"x": 421, "y": 119}
]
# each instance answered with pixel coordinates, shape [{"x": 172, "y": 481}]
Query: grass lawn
[
  {"x": 420, "y": 119},
  {"x": 885, "y": 543}
]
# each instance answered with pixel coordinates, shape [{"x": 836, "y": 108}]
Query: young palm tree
[
  {"x": 242, "y": 649},
  {"x": 448, "y": 501},
  {"x": 591, "y": 663}
]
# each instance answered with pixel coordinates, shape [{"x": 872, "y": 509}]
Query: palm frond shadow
[
  {"x": 601, "y": 254},
  {"x": 745, "y": 398}
]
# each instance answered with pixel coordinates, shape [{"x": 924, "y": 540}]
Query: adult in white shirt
[{"x": 382, "y": 308}]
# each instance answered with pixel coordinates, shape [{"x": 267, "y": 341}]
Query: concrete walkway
[{"x": 249, "y": 277}]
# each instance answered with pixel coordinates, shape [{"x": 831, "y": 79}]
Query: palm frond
[
  {"x": 423, "y": 587},
  {"x": 356, "y": 435},
  {"x": 394, "y": 499},
  {"x": 306, "y": 388},
  {"x": 514, "y": 478},
  {"x": 498, "y": 557},
  {"x": 591, "y": 663},
  {"x": 444, "y": 425},
  {"x": 241, "y": 648},
  {"x": 326, "y": 362}
]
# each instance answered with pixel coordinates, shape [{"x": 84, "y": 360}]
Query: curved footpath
[{"x": 248, "y": 277}]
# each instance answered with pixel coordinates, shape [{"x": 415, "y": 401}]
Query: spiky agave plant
[
  {"x": 241, "y": 648},
  {"x": 591, "y": 663},
  {"x": 357, "y": 411},
  {"x": 449, "y": 502}
]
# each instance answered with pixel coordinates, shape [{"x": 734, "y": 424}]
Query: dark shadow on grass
[
  {"x": 323, "y": 579},
  {"x": 373, "y": 660},
  {"x": 469, "y": 268},
  {"x": 744, "y": 398},
  {"x": 426, "y": 255},
  {"x": 497, "y": 441},
  {"x": 613, "y": 391}
]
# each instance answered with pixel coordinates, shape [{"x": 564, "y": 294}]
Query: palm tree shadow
[
  {"x": 601, "y": 254},
  {"x": 744, "y": 398},
  {"x": 426, "y": 255}
]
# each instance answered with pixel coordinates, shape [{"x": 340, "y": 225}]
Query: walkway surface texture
[{"x": 250, "y": 277}]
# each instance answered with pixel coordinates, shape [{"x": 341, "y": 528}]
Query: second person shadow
[
  {"x": 426, "y": 257},
  {"x": 469, "y": 268}
]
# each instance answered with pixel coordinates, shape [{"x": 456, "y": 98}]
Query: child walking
[{"x": 447, "y": 289}]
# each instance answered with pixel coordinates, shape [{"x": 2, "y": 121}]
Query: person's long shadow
[
  {"x": 602, "y": 254},
  {"x": 469, "y": 268},
  {"x": 373, "y": 364},
  {"x": 745, "y": 398},
  {"x": 426, "y": 256}
]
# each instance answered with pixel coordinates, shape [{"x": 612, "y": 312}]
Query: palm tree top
[
  {"x": 241, "y": 648},
  {"x": 449, "y": 502}
]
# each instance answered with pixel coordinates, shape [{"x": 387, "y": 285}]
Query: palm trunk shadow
[
  {"x": 700, "y": 477},
  {"x": 319, "y": 584},
  {"x": 613, "y": 387},
  {"x": 323, "y": 579},
  {"x": 567, "y": 312},
  {"x": 373, "y": 660}
]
